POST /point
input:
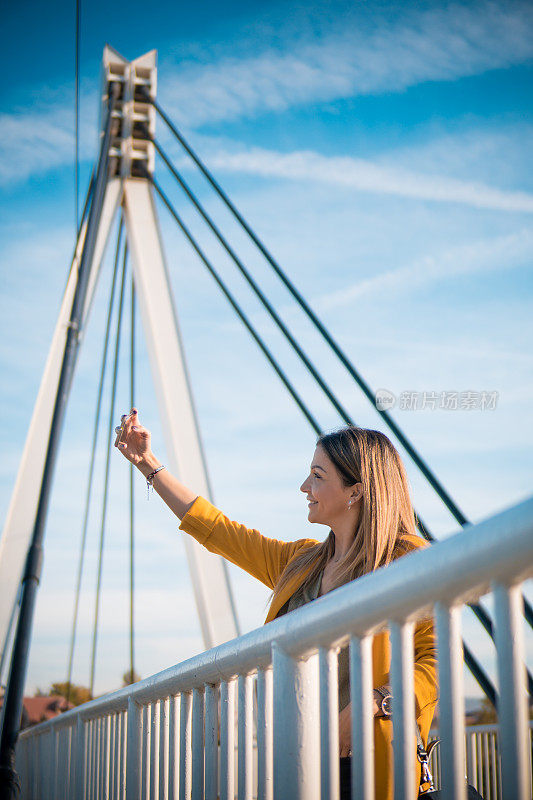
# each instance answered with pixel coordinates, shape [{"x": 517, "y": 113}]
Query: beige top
[{"x": 300, "y": 598}]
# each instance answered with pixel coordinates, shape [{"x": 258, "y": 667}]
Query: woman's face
[{"x": 327, "y": 496}]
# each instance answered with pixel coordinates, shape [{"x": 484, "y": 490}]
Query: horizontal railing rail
[{"x": 173, "y": 734}]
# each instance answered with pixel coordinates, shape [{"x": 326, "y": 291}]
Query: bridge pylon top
[{"x": 131, "y": 151}]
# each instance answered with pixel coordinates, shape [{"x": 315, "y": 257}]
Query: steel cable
[
  {"x": 418, "y": 460},
  {"x": 257, "y": 291},
  {"x": 363, "y": 385},
  {"x": 428, "y": 474},
  {"x": 77, "y": 110},
  {"x": 13, "y": 697},
  {"x": 475, "y": 668},
  {"x": 279, "y": 371},
  {"x": 132, "y": 507},
  {"x": 107, "y": 465},
  {"x": 92, "y": 460},
  {"x": 479, "y": 611}
]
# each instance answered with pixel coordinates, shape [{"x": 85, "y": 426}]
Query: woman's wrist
[{"x": 148, "y": 464}]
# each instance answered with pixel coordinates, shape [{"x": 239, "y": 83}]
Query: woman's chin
[{"x": 312, "y": 516}]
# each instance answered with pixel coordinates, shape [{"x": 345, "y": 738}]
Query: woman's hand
[
  {"x": 135, "y": 444},
  {"x": 345, "y": 727}
]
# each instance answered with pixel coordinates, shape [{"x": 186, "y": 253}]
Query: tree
[
  {"x": 77, "y": 694},
  {"x": 487, "y": 713},
  {"x": 128, "y": 678}
]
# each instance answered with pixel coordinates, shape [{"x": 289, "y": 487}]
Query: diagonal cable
[
  {"x": 92, "y": 463},
  {"x": 479, "y": 611},
  {"x": 363, "y": 385},
  {"x": 279, "y": 371},
  {"x": 475, "y": 668},
  {"x": 132, "y": 507},
  {"x": 13, "y": 698},
  {"x": 428, "y": 474},
  {"x": 257, "y": 291},
  {"x": 77, "y": 111},
  {"x": 107, "y": 465},
  {"x": 422, "y": 465}
]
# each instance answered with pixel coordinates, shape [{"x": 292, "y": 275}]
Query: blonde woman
[{"x": 358, "y": 488}]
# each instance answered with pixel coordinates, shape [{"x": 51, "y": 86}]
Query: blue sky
[{"x": 382, "y": 151}]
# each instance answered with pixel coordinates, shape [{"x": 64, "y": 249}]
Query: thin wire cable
[
  {"x": 279, "y": 371},
  {"x": 419, "y": 461},
  {"x": 257, "y": 291},
  {"x": 477, "y": 671},
  {"x": 132, "y": 508},
  {"x": 428, "y": 474},
  {"x": 108, "y": 460},
  {"x": 77, "y": 109},
  {"x": 478, "y": 610},
  {"x": 92, "y": 463}
]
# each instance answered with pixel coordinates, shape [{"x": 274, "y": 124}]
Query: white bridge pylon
[{"x": 128, "y": 188}]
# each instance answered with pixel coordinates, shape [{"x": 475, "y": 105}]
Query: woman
[{"x": 357, "y": 486}]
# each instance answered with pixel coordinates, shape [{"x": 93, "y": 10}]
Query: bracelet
[
  {"x": 385, "y": 693},
  {"x": 150, "y": 479}
]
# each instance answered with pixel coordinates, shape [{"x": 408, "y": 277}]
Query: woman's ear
[{"x": 357, "y": 492}]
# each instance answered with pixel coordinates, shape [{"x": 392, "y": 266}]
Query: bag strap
[{"x": 423, "y": 757}]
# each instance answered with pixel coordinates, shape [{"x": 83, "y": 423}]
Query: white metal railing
[
  {"x": 482, "y": 766},
  {"x": 173, "y": 735}
]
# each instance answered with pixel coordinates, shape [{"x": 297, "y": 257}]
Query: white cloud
[
  {"x": 381, "y": 57},
  {"x": 498, "y": 253},
  {"x": 40, "y": 138},
  {"x": 432, "y": 45},
  {"x": 367, "y": 176}
]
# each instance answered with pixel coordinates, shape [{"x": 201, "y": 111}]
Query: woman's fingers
[
  {"x": 139, "y": 429},
  {"x": 134, "y": 440},
  {"x": 130, "y": 423}
]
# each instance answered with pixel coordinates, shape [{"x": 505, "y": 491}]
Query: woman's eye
[{"x": 315, "y": 475}]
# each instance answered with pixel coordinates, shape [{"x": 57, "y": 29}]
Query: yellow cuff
[{"x": 200, "y": 519}]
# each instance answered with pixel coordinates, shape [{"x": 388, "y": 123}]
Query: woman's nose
[{"x": 303, "y": 487}]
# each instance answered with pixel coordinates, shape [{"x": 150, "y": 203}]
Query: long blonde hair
[{"x": 367, "y": 457}]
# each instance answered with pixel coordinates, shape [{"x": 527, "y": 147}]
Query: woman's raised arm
[{"x": 135, "y": 445}]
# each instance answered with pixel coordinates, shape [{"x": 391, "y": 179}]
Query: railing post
[
  {"x": 106, "y": 729},
  {"x": 146, "y": 750},
  {"x": 265, "y": 740},
  {"x": 227, "y": 740},
  {"x": 81, "y": 759},
  {"x": 244, "y": 737},
  {"x": 98, "y": 761},
  {"x": 173, "y": 747},
  {"x": 52, "y": 783},
  {"x": 197, "y": 767},
  {"x": 512, "y": 711},
  {"x": 329, "y": 723},
  {"x": 362, "y": 717},
  {"x": 211, "y": 742},
  {"x": 403, "y": 718},
  {"x": 451, "y": 723},
  {"x": 296, "y": 727},
  {"x": 133, "y": 750},
  {"x": 163, "y": 747},
  {"x": 185, "y": 746},
  {"x": 154, "y": 750}
]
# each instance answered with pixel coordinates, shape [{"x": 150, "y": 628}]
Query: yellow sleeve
[
  {"x": 425, "y": 666},
  {"x": 260, "y": 556},
  {"x": 425, "y": 651}
]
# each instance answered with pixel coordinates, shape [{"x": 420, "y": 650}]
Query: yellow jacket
[{"x": 265, "y": 559}]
